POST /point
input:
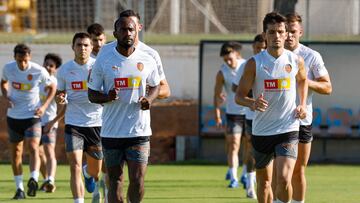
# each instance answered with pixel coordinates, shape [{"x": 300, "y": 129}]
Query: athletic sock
[
  {"x": 51, "y": 179},
  {"x": 79, "y": 200},
  {"x": 35, "y": 175},
  {"x": 250, "y": 181},
  {"x": 96, "y": 190},
  {"x": 19, "y": 182},
  {"x": 85, "y": 172},
  {"x": 234, "y": 173},
  {"x": 294, "y": 201}
]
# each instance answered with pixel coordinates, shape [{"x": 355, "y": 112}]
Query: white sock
[
  {"x": 233, "y": 173},
  {"x": 96, "y": 190},
  {"x": 19, "y": 182},
  {"x": 279, "y": 201},
  {"x": 106, "y": 194},
  {"x": 294, "y": 201},
  {"x": 244, "y": 170},
  {"x": 85, "y": 172},
  {"x": 35, "y": 175},
  {"x": 51, "y": 179},
  {"x": 250, "y": 181},
  {"x": 79, "y": 200}
]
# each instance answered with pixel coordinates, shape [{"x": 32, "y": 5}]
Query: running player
[
  {"x": 20, "y": 87},
  {"x": 319, "y": 82},
  {"x": 118, "y": 81},
  {"x": 49, "y": 127},
  {"x": 98, "y": 37},
  {"x": 235, "y": 114},
  {"x": 164, "y": 86},
  {"x": 273, "y": 75},
  {"x": 259, "y": 44},
  {"x": 82, "y": 118}
]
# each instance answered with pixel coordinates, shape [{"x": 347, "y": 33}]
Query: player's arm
[
  {"x": 218, "y": 98},
  {"x": 302, "y": 89},
  {"x": 49, "y": 97},
  {"x": 245, "y": 85},
  {"x": 164, "y": 89},
  {"x": 4, "y": 91},
  {"x": 61, "y": 108},
  {"x": 153, "y": 93},
  {"x": 321, "y": 85},
  {"x": 100, "y": 98}
]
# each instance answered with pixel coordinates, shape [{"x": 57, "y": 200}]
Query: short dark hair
[
  {"x": 95, "y": 29},
  {"x": 229, "y": 47},
  {"x": 272, "y": 18},
  {"x": 80, "y": 35},
  {"x": 259, "y": 38},
  {"x": 126, "y": 14},
  {"x": 56, "y": 58},
  {"x": 293, "y": 17},
  {"x": 22, "y": 49}
]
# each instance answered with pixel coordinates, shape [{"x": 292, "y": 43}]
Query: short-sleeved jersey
[
  {"x": 123, "y": 117},
  {"x": 24, "y": 88},
  {"x": 276, "y": 79},
  {"x": 315, "y": 68},
  {"x": 249, "y": 114},
  {"x": 72, "y": 77},
  {"x": 229, "y": 76},
  {"x": 50, "y": 112},
  {"x": 107, "y": 48}
]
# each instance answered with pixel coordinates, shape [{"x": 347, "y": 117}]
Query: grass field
[{"x": 204, "y": 183}]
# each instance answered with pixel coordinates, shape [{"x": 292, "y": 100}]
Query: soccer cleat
[
  {"x": 251, "y": 194},
  {"x": 233, "y": 184},
  {"x": 243, "y": 180},
  {"x": 32, "y": 187},
  {"x": 19, "y": 194},
  {"x": 89, "y": 182},
  {"x": 228, "y": 176},
  {"x": 42, "y": 187},
  {"x": 49, "y": 187}
]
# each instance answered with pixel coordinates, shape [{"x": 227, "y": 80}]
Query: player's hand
[
  {"x": 48, "y": 127},
  {"x": 40, "y": 111},
  {"x": 144, "y": 103},
  {"x": 218, "y": 122},
  {"x": 60, "y": 98},
  {"x": 113, "y": 94},
  {"x": 300, "y": 112},
  {"x": 8, "y": 102},
  {"x": 260, "y": 104}
]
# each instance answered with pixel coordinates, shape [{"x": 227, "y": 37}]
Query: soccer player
[
  {"x": 82, "y": 118},
  {"x": 20, "y": 87},
  {"x": 235, "y": 114},
  {"x": 319, "y": 82},
  {"x": 118, "y": 81},
  {"x": 164, "y": 86},
  {"x": 259, "y": 44},
  {"x": 275, "y": 76},
  {"x": 98, "y": 37},
  {"x": 49, "y": 127}
]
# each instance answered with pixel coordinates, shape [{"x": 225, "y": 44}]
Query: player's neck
[
  {"x": 81, "y": 61},
  {"x": 275, "y": 52},
  {"x": 125, "y": 51}
]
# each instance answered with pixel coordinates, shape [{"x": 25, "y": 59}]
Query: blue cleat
[
  {"x": 89, "y": 182},
  {"x": 243, "y": 180},
  {"x": 228, "y": 175},
  {"x": 233, "y": 184}
]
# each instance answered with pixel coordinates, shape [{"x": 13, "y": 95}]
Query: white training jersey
[
  {"x": 72, "y": 77},
  {"x": 108, "y": 48},
  {"x": 249, "y": 114},
  {"x": 276, "y": 79},
  {"x": 50, "y": 112},
  {"x": 123, "y": 117},
  {"x": 315, "y": 68},
  {"x": 229, "y": 76},
  {"x": 24, "y": 88}
]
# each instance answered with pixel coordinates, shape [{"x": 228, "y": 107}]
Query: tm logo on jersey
[
  {"x": 21, "y": 86},
  {"x": 277, "y": 84},
  {"x": 79, "y": 85},
  {"x": 127, "y": 83}
]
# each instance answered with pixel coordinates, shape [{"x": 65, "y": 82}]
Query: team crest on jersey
[
  {"x": 288, "y": 68},
  {"x": 29, "y": 77},
  {"x": 140, "y": 66}
]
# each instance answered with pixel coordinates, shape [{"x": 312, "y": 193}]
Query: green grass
[{"x": 204, "y": 183}]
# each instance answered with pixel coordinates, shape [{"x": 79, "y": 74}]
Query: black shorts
[
  {"x": 305, "y": 134},
  {"x": 235, "y": 124},
  {"x": 18, "y": 129},
  {"x": 248, "y": 126},
  {"x": 81, "y": 138}
]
